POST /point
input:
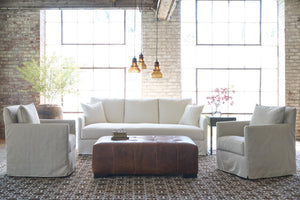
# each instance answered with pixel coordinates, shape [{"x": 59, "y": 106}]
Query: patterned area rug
[{"x": 210, "y": 184}]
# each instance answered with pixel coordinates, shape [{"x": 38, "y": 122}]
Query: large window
[
  {"x": 93, "y": 27},
  {"x": 233, "y": 22},
  {"x": 230, "y": 44},
  {"x": 102, "y": 43}
]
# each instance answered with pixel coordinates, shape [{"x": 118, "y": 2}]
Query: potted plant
[{"x": 52, "y": 77}]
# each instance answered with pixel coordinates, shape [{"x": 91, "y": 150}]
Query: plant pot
[{"x": 50, "y": 111}]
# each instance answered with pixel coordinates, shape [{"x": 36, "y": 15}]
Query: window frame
[
  {"x": 228, "y": 44},
  {"x": 62, "y": 34},
  {"x": 233, "y": 69}
]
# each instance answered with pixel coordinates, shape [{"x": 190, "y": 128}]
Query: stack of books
[{"x": 119, "y": 134}]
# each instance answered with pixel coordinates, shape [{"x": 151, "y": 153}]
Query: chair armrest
[
  {"x": 235, "y": 128},
  {"x": 265, "y": 145},
  {"x": 268, "y": 139},
  {"x": 72, "y": 123},
  {"x": 28, "y": 142}
]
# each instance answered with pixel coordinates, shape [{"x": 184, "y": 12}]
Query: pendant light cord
[
  {"x": 134, "y": 26},
  {"x": 156, "y": 35},
  {"x": 141, "y": 8}
]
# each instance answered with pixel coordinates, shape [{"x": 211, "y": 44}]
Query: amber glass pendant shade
[
  {"x": 134, "y": 67},
  {"x": 156, "y": 71},
  {"x": 141, "y": 62}
]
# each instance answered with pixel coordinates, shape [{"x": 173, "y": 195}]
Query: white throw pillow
[
  {"x": 113, "y": 108},
  {"x": 264, "y": 115},
  {"x": 191, "y": 115},
  {"x": 28, "y": 114},
  {"x": 93, "y": 113}
]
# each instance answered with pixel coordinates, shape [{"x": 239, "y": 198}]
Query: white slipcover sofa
[{"x": 143, "y": 117}]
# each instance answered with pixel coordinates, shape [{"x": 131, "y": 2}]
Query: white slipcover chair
[
  {"x": 39, "y": 150},
  {"x": 257, "y": 151}
]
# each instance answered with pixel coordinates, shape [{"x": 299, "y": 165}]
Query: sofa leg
[
  {"x": 100, "y": 175},
  {"x": 189, "y": 175}
]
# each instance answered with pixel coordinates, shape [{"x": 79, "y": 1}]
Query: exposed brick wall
[
  {"x": 292, "y": 55},
  {"x": 19, "y": 41},
  {"x": 169, "y": 51}
]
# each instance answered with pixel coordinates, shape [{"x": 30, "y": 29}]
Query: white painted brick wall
[{"x": 169, "y": 51}]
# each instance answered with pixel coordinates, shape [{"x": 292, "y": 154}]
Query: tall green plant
[{"x": 52, "y": 76}]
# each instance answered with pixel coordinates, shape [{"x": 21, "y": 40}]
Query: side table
[{"x": 212, "y": 121}]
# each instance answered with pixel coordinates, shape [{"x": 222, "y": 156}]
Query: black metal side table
[{"x": 212, "y": 121}]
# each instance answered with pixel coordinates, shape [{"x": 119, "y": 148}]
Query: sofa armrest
[
  {"x": 81, "y": 124},
  {"x": 265, "y": 145},
  {"x": 72, "y": 123},
  {"x": 203, "y": 123},
  {"x": 235, "y": 128},
  {"x": 30, "y": 143}
]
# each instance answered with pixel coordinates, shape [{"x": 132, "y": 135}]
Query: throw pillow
[
  {"x": 94, "y": 113},
  {"x": 191, "y": 115},
  {"x": 28, "y": 114},
  {"x": 264, "y": 115}
]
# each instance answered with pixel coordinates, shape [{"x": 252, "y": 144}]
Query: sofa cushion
[
  {"x": 94, "y": 131},
  {"x": 94, "y": 113},
  {"x": 171, "y": 110},
  {"x": 191, "y": 115},
  {"x": 264, "y": 115},
  {"x": 141, "y": 111},
  {"x": 28, "y": 114},
  {"x": 113, "y": 108},
  {"x": 233, "y": 144}
]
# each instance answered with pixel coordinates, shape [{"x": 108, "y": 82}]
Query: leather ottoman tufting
[{"x": 145, "y": 155}]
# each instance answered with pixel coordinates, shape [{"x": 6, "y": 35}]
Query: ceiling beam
[
  {"x": 75, "y": 4},
  {"x": 165, "y": 9}
]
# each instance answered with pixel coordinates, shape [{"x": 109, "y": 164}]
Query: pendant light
[
  {"x": 156, "y": 71},
  {"x": 141, "y": 62},
  {"x": 134, "y": 67}
]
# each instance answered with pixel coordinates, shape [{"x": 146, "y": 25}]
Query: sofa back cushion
[
  {"x": 171, "y": 110},
  {"x": 141, "y": 111},
  {"x": 113, "y": 109},
  {"x": 10, "y": 114},
  {"x": 264, "y": 115}
]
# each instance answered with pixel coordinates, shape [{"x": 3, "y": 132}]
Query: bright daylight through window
[
  {"x": 101, "y": 42},
  {"x": 230, "y": 44}
]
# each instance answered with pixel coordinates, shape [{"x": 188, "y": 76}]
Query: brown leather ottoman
[{"x": 145, "y": 155}]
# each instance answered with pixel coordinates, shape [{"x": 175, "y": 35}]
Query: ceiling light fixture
[
  {"x": 134, "y": 67},
  {"x": 141, "y": 62},
  {"x": 156, "y": 71}
]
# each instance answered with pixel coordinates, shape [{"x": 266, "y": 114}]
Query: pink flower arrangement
[{"x": 221, "y": 96}]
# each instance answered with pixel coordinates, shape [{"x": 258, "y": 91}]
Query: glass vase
[{"x": 217, "y": 110}]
